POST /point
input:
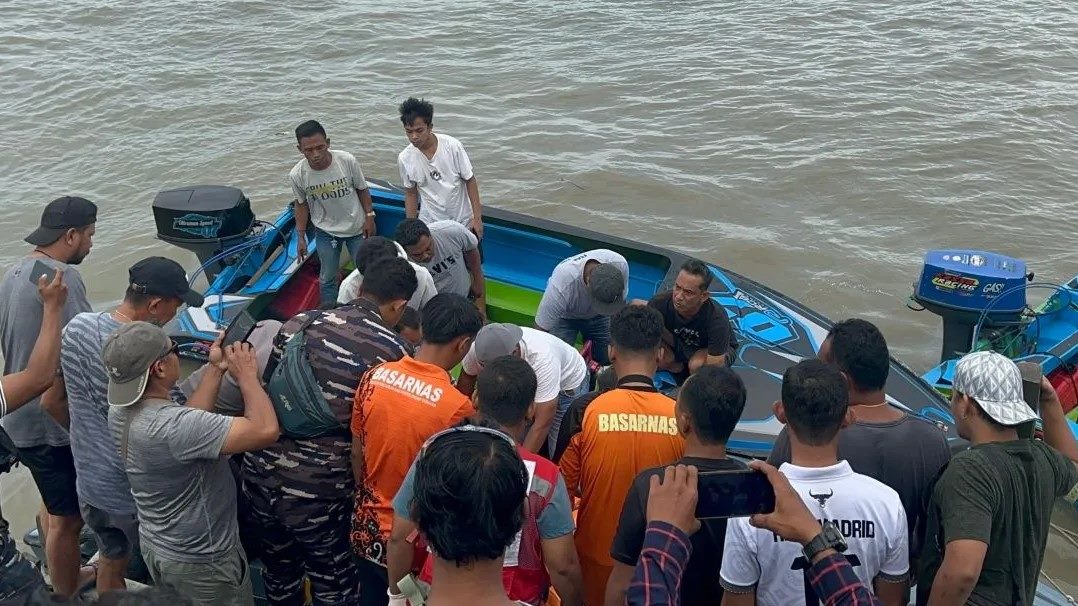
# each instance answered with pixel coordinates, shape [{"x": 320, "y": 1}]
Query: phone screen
[
  {"x": 41, "y": 268},
  {"x": 733, "y": 494},
  {"x": 239, "y": 329}
]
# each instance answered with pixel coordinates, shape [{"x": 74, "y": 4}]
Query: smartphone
[
  {"x": 733, "y": 494},
  {"x": 1031, "y": 393},
  {"x": 42, "y": 268},
  {"x": 239, "y": 329}
]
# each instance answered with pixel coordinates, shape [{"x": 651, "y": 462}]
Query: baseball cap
[
  {"x": 496, "y": 340},
  {"x": 164, "y": 278},
  {"x": 606, "y": 285},
  {"x": 128, "y": 355},
  {"x": 995, "y": 382},
  {"x": 61, "y": 215}
]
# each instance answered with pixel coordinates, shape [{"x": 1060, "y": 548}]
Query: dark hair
[
  {"x": 636, "y": 329},
  {"x": 859, "y": 350},
  {"x": 469, "y": 496},
  {"x": 448, "y": 316},
  {"x": 409, "y": 231},
  {"x": 409, "y": 319},
  {"x": 389, "y": 280},
  {"x": 506, "y": 388},
  {"x": 136, "y": 298},
  {"x": 309, "y": 128},
  {"x": 715, "y": 397},
  {"x": 413, "y": 108},
  {"x": 700, "y": 270},
  {"x": 374, "y": 248},
  {"x": 815, "y": 399}
]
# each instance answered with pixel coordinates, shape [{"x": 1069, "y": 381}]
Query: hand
[
  {"x": 369, "y": 228},
  {"x": 301, "y": 245},
  {"x": 397, "y": 600},
  {"x": 53, "y": 292},
  {"x": 217, "y": 354},
  {"x": 1049, "y": 397},
  {"x": 674, "y": 501},
  {"x": 791, "y": 520},
  {"x": 476, "y": 225},
  {"x": 242, "y": 362}
]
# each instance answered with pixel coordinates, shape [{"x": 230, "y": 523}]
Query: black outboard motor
[
  {"x": 967, "y": 286},
  {"x": 204, "y": 219}
]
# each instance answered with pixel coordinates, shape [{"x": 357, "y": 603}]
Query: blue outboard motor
[{"x": 960, "y": 285}]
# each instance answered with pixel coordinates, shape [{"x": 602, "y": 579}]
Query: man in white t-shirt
[
  {"x": 581, "y": 295},
  {"x": 436, "y": 172},
  {"x": 759, "y": 567},
  {"x": 332, "y": 198},
  {"x": 377, "y": 248},
  {"x": 561, "y": 373}
]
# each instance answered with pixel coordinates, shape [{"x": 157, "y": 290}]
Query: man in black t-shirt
[
  {"x": 707, "y": 409},
  {"x": 696, "y": 329}
]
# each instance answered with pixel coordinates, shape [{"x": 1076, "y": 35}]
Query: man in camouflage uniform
[{"x": 300, "y": 491}]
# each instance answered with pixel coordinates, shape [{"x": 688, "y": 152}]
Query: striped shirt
[
  {"x": 100, "y": 478},
  {"x": 3, "y": 400}
]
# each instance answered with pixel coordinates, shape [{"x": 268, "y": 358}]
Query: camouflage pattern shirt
[{"x": 341, "y": 345}]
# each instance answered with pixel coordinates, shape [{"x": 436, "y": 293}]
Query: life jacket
[{"x": 523, "y": 572}]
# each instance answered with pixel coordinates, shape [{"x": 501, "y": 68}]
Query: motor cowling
[
  {"x": 205, "y": 219},
  {"x": 964, "y": 286}
]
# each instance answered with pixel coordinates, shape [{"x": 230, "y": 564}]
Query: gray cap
[
  {"x": 606, "y": 285},
  {"x": 995, "y": 382},
  {"x": 128, "y": 355},
  {"x": 496, "y": 340}
]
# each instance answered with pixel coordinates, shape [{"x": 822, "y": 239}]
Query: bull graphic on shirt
[{"x": 821, "y": 497}]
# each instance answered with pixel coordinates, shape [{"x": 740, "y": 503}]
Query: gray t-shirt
[
  {"x": 20, "y": 324},
  {"x": 184, "y": 489},
  {"x": 100, "y": 477},
  {"x": 906, "y": 455},
  {"x": 566, "y": 296},
  {"x": 451, "y": 241},
  {"x": 330, "y": 194}
]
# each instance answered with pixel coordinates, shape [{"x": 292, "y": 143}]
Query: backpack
[{"x": 302, "y": 410}]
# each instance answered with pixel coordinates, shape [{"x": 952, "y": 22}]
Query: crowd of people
[{"x": 527, "y": 479}]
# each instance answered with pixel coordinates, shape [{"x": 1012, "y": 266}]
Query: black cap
[
  {"x": 163, "y": 278},
  {"x": 61, "y": 215}
]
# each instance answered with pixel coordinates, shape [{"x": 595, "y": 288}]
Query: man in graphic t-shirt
[
  {"x": 437, "y": 175},
  {"x": 759, "y": 567},
  {"x": 707, "y": 409},
  {"x": 697, "y": 331},
  {"x": 450, "y": 252},
  {"x": 990, "y": 510},
  {"x": 333, "y": 203},
  {"x": 398, "y": 405}
]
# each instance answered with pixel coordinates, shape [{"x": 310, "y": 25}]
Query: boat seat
[{"x": 511, "y": 303}]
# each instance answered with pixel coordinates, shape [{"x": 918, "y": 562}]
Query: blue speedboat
[{"x": 253, "y": 265}]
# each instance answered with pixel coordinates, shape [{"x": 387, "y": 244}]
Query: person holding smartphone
[{"x": 707, "y": 409}]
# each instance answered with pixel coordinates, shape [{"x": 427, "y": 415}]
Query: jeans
[
  {"x": 329, "y": 255},
  {"x": 595, "y": 329},
  {"x": 565, "y": 398}
]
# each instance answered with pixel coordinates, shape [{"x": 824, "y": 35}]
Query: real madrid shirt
[{"x": 867, "y": 513}]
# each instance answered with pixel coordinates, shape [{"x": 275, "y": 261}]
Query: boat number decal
[
  {"x": 198, "y": 225},
  {"x": 955, "y": 283}
]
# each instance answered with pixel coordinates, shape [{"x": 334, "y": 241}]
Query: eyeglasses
[{"x": 465, "y": 428}]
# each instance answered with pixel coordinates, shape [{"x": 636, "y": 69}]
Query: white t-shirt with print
[
  {"x": 867, "y": 512},
  {"x": 424, "y": 291},
  {"x": 558, "y": 366},
  {"x": 330, "y": 194},
  {"x": 443, "y": 194},
  {"x": 566, "y": 296}
]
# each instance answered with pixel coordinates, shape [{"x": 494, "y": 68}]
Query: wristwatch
[{"x": 829, "y": 538}]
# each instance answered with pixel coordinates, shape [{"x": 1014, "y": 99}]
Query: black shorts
[
  {"x": 53, "y": 469},
  {"x": 116, "y": 534}
]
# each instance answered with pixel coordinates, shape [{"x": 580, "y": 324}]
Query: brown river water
[{"x": 819, "y": 147}]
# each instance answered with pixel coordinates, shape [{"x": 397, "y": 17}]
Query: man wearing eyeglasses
[
  {"x": 175, "y": 458},
  {"x": 156, "y": 288},
  {"x": 696, "y": 330}
]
